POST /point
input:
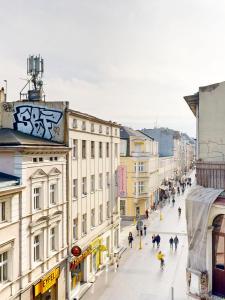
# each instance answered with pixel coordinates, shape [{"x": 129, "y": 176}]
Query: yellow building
[{"x": 139, "y": 154}]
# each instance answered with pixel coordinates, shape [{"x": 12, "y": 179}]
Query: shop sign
[
  {"x": 46, "y": 282},
  {"x": 77, "y": 260},
  {"x": 76, "y": 251}
]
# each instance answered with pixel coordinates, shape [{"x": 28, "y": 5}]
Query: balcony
[
  {"x": 211, "y": 174},
  {"x": 141, "y": 195},
  {"x": 141, "y": 154},
  {"x": 140, "y": 174}
]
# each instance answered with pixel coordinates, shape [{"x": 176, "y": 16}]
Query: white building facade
[{"x": 40, "y": 212}]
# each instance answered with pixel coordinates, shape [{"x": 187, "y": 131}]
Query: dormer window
[
  {"x": 100, "y": 128},
  {"x": 107, "y": 130},
  {"x": 92, "y": 127}
]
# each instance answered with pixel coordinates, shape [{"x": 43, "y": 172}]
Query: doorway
[{"x": 218, "y": 255}]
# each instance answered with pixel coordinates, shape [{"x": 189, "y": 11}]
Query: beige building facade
[
  {"x": 39, "y": 215},
  {"x": 139, "y": 156}
]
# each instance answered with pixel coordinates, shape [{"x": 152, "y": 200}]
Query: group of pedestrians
[
  {"x": 174, "y": 241},
  {"x": 156, "y": 240}
]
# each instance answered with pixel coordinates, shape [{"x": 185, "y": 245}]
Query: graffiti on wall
[{"x": 36, "y": 120}]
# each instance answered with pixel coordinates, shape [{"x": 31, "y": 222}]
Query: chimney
[{"x": 2, "y": 95}]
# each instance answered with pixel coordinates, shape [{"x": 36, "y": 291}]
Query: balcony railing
[
  {"x": 141, "y": 195},
  {"x": 141, "y": 154},
  {"x": 211, "y": 174}
]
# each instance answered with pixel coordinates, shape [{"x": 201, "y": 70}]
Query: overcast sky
[{"x": 129, "y": 61}]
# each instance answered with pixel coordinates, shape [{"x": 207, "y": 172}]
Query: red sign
[
  {"x": 76, "y": 251},
  {"x": 76, "y": 260}
]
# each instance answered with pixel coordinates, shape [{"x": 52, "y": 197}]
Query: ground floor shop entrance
[{"x": 218, "y": 246}]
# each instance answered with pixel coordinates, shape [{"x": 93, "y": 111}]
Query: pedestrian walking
[
  {"x": 161, "y": 257},
  {"x": 178, "y": 191},
  {"x": 183, "y": 190},
  {"x": 137, "y": 228},
  {"x": 171, "y": 243},
  {"x": 116, "y": 262},
  {"x": 130, "y": 239},
  {"x": 145, "y": 229},
  {"x": 146, "y": 213},
  {"x": 153, "y": 241},
  {"x": 179, "y": 211},
  {"x": 141, "y": 232},
  {"x": 173, "y": 201},
  {"x": 176, "y": 241},
  {"x": 158, "y": 239}
]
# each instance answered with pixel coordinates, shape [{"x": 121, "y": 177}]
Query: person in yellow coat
[{"x": 160, "y": 256}]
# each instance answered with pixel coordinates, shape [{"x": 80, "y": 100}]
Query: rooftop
[
  {"x": 7, "y": 180},
  {"x": 10, "y": 137},
  {"x": 126, "y": 132}
]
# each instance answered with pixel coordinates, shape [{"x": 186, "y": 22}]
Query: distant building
[
  {"x": 139, "y": 156},
  {"x": 206, "y": 202}
]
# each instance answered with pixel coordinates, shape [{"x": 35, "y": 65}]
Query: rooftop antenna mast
[{"x": 35, "y": 70}]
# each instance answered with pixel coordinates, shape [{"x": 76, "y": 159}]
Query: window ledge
[
  {"x": 84, "y": 195},
  {"x": 93, "y": 227},
  {"x": 83, "y": 234},
  {"x": 75, "y": 199}
]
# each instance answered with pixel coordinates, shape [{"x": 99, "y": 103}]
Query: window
[
  {"x": 100, "y": 128},
  {"x": 37, "y": 248},
  {"x": 115, "y": 132},
  {"x": 100, "y": 185},
  {"x": 51, "y": 158},
  {"x": 83, "y": 149},
  {"x": 92, "y": 127},
  {"x": 139, "y": 187},
  {"x": 52, "y": 239},
  {"x": 100, "y": 149},
  {"x": 55, "y": 158},
  {"x": 107, "y": 209},
  {"x": 84, "y": 186},
  {"x": 92, "y": 149},
  {"x": 35, "y": 159},
  {"x": 40, "y": 158},
  {"x": 36, "y": 197},
  {"x": 92, "y": 217},
  {"x": 52, "y": 193},
  {"x": 3, "y": 267},
  {"x": 139, "y": 167},
  {"x": 107, "y": 130},
  {"x": 2, "y": 211},
  {"x": 116, "y": 150},
  {"x": 107, "y": 149},
  {"x": 92, "y": 183},
  {"x": 83, "y": 125},
  {"x": 74, "y": 148},
  {"x": 74, "y": 125},
  {"x": 75, "y": 229},
  {"x": 122, "y": 207},
  {"x": 75, "y": 188},
  {"x": 107, "y": 180},
  {"x": 100, "y": 214},
  {"x": 84, "y": 224}
]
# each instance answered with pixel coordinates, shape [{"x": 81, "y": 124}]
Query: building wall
[
  {"x": 82, "y": 130},
  {"x": 10, "y": 243},
  {"x": 143, "y": 151},
  {"x": 211, "y": 139},
  {"x": 38, "y": 174},
  {"x": 42, "y": 119}
]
